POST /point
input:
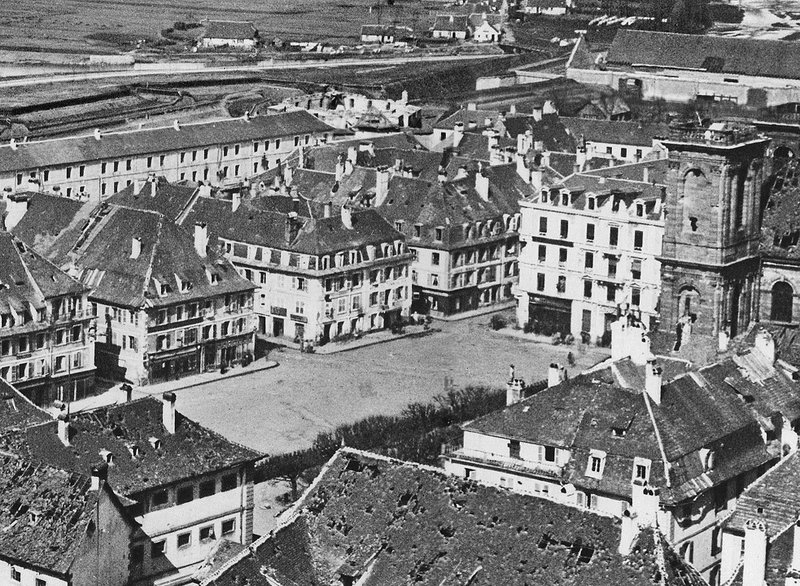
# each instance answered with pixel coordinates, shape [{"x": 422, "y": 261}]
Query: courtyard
[{"x": 283, "y": 409}]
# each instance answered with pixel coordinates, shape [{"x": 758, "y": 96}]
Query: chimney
[
  {"x": 522, "y": 168},
  {"x": 512, "y": 109},
  {"x": 97, "y": 134},
  {"x": 381, "y": 185},
  {"x": 628, "y": 532},
  {"x": 352, "y": 155},
  {"x": 652, "y": 381},
  {"x": 482, "y": 185},
  {"x": 200, "y": 239},
  {"x": 646, "y": 174},
  {"x": 339, "y": 169},
  {"x": 168, "y": 411},
  {"x": 472, "y": 106},
  {"x": 125, "y": 393},
  {"x": 537, "y": 179},
  {"x": 556, "y": 374},
  {"x": 288, "y": 174},
  {"x": 176, "y": 125},
  {"x": 291, "y": 227},
  {"x": 765, "y": 345},
  {"x": 458, "y": 133},
  {"x": 537, "y": 113},
  {"x": 236, "y": 200},
  {"x": 99, "y": 475},
  {"x": 755, "y": 553},
  {"x": 461, "y": 173},
  {"x": 136, "y": 247},
  {"x": 63, "y": 428},
  {"x": 487, "y": 122},
  {"x": 347, "y": 217},
  {"x": 326, "y": 209},
  {"x": 629, "y": 339},
  {"x": 13, "y": 144},
  {"x": 515, "y": 388},
  {"x": 645, "y": 503},
  {"x": 348, "y": 167},
  {"x": 472, "y": 125}
]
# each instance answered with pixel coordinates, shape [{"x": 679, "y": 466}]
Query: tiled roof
[
  {"x": 476, "y": 19},
  {"x": 129, "y": 143},
  {"x": 62, "y": 506},
  {"x": 98, "y": 250},
  {"x": 466, "y": 115},
  {"x": 451, "y": 22},
  {"x": 609, "y": 131},
  {"x": 52, "y": 215},
  {"x": 191, "y": 451},
  {"x": 733, "y": 55},
  {"x": 158, "y": 195},
  {"x": 230, "y": 29},
  {"x": 550, "y": 130},
  {"x": 16, "y": 410},
  {"x": 268, "y": 228},
  {"x": 27, "y": 279},
  {"x": 656, "y": 171},
  {"x": 380, "y": 521}
]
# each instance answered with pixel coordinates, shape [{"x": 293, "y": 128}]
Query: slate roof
[
  {"x": 230, "y": 29},
  {"x": 16, "y": 410},
  {"x": 130, "y": 143},
  {"x": 191, "y": 451},
  {"x": 27, "y": 279},
  {"x": 64, "y": 506},
  {"x": 615, "y": 132},
  {"x": 733, "y": 55},
  {"x": 52, "y": 215},
  {"x": 268, "y": 228},
  {"x": 451, "y": 22},
  {"x": 158, "y": 195},
  {"x": 381, "y": 521},
  {"x": 550, "y": 130},
  {"x": 696, "y": 412}
]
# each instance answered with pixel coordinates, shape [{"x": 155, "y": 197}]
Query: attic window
[
  {"x": 185, "y": 285},
  {"x": 33, "y": 517},
  {"x": 107, "y": 456},
  {"x": 164, "y": 289},
  {"x": 155, "y": 442},
  {"x": 618, "y": 431},
  {"x": 213, "y": 278},
  {"x": 564, "y": 199},
  {"x": 639, "y": 209},
  {"x": 134, "y": 450},
  {"x": 596, "y": 464}
]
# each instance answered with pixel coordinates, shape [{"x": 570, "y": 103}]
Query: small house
[
  {"x": 451, "y": 26},
  {"x": 486, "y": 27},
  {"x": 229, "y": 33}
]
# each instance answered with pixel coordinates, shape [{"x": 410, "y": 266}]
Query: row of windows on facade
[
  {"x": 16, "y": 576},
  {"x": 565, "y": 198},
  {"x": 387, "y": 297},
  {"x": 588, "y": 262},
  {"x": 303, "y": 261},
  {"x": 162, "y": 159},
  {"x": 205, "y": 534},
  {"x": 160, "y": 499},
  {"x": 479, "y": 255},
  {"x": 69, "y": 307},
  {"x": 355, "y": 279},
  {"x": 188, "y": 336},
  {"x": 178, "y": 313},
  {"x": 41, "y": 367},
  {"x": 484, "y": 275},
  {"x": 588, "y": 289},
  {"x": 25, "y": 344},
  {"x": 613, "y": 233},
  {"x": 471, "y": 231}
]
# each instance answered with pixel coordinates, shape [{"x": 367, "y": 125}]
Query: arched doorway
[{"x": 781, "y": 305}]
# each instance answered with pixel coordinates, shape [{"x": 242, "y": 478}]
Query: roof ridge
[{"x": 659, "y": 440}]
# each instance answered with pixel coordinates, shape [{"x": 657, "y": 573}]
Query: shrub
[{"x": 497, "y": 322}]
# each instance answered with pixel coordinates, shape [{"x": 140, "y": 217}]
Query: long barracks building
[{"x": 101, "y": 164}]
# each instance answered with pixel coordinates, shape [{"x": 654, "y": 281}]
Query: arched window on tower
[{"x": 782, "y": 295}]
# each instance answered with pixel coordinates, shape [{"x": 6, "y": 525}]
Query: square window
[
  {"x": 159, "y": 498},
  {"x": 207, "y": 488},
  {"x": 229, "y": 482},
  {"x": 16, "y": 576},
  {"x": 228, "y": 526},
  {"x": 184, "y": 540},
  {"x": 207, "y": 533},
  {"x": 435, "y": 258},
  {"x": 185, "y": 494}
]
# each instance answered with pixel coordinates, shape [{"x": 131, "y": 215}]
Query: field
[{"x": 100, "y": 25}]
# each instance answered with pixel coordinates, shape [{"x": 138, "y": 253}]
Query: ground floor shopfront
[
  {"x": 66, "y": 388},
  {"x": 298, "y": 329},
  {"x": 436, "y": 302},
  {"x": 208, "y": 355}
]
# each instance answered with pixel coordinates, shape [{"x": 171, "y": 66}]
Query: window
[
  {"x": 562, "y": 255},
  {"x": 587, "y": 289},
  {"x": 434, "y": 258},
  {"x": 687, "y": 551},
  {"x": 229, "y": 482},
  {"x": 513, "y": 449},
  {"x": 158, "y": 548},
  {"x": 184, "y": 540},
  {"x": 16, "y": 576},
  {"x": 68, "y": 174},
  {"x": 542, "y": 253},
  {"x": 638, "y": 239},
  {"x": 185, "y": 494},
  {"x": 128, "y": 165},
  {"x": 542, "y": 225},
  {"x": 613, "y": 236},
  {"x": 636, "y": 269},
  {"x": 159, "y": 498},
  {"x": 781, "y": 306},
  {"x": 540, "y": 281},
  {"x": 623, "y": 152},
  {"x": 207, "y": 533},
  {"x": 549, "y": 454},
  {"x": 207, "y": 488},
  {"x": 228, "y": 526},
  {"x": 612, "y": 268},
  {"x": 561, "y": 285},
  {"x": 596, "y": 464},
  {"x": 636, "y": 296},
  {"x": 588, "y": 262},
  {"x": 438, "y": 233},
  {"x": 589, "y": 232},
  {"x": 564, "y": 228}
]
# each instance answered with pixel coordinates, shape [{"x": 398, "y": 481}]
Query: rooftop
[
  {"x": 230, "y": 29},
  {"x": 381, "y": 521},
  {"x": 16, "y": 410},
  {"x": 608, "y": 131},
  {"x": 161, "y": 458}
]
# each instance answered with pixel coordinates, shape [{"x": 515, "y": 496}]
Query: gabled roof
[
  {"x": 451, "y": 22},
  {"x": 614, "y": 132},
  {"x": 380, "y": 521},
  {"x": 45, "y": 513},
  {"x": 550, "y": 130},
  {"x": 733, "y": 55},
  {"x": 27, "y": 279},
  {"x": 230, "y": 29},
  {"x": 493, "y": 19},
  {"x": 191, "y": 451},
  {"x": 46, "y": 217},
  {"x": 128, "y": 143},
  {"x": 156, "y": 195}
]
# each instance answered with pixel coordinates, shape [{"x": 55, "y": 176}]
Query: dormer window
[
  {"x": 591, "y": 203},
  {"x": 33, "y": 516},
  {"x": 438, "y": 233},
  {"x": 641, "y": 470},
  {"x": 213, "y": 278},
  {"x": 618, "y": 432},
  {"x": 134, "y": 450},
  {"x": 596, "y": 464},
  {"x": 708, "y": 458},
  {"x": 107, "y": 456},
  {"x": 185, "y": 285},
  {"x": 564, "y": 199},
  {"x": 639, "y": 209},
  {"x": 155, "y": 443}
]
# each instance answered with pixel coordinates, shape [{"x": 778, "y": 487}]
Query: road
[
  {"x": 283, "y": 409},
  {"x": 27, "y": 80}
]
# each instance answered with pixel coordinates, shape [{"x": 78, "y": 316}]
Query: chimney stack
[
  {"x": 515, "y": 388},
  {"x": 646, "y": 174},
  {"x": 136, "y": 247},
  {"x": 291, "y": 227},
  {"x": 99, "y": 475},
  {"x": 63, "y": 428},
  {"x": 97, "y": 134},
  {"x": 125, "y": 393},
  {"x": 339, "y": 175},
  {"x": 522, "y": 168},
  {"x": 326, "y": 209},
  {"x": 482, "y": 185},
  {"x": 627, "y": 534},
  {"x": 537, "y": 179},
  {"x": 556, "y": 374},
  {"x": 472, "y": 106},
  {"x": 537, "y": 113},
  {"x": 200, "y": 239},
  {"x": 352, "y": 155},
  {"x": 381, "y": 186},
  {"x": 652, "y": 381},
  {"x": 168, "y": 411},
  {"x": 458, "y": 133},
  {"x": 236, "y": 200},
  {"x": 765, "y": 345},
  {"x": 755, "y": 553},
  {"x": 347, "y": 217}
]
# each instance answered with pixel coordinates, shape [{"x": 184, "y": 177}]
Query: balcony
[{"x": 549, "y": 469}]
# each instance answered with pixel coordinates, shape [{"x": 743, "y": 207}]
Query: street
[{"x": 283, "y": 409}]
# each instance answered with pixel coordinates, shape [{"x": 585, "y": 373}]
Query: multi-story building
[
  {"x": 99, "y": 165},
  {"x": 319, "y": 275},
  {"x": 591, "y": 245},
  {"x": 46, "y": 326},
  {"x": 185, "y": 486},
  {"x": 166, "y": 305},
  {"x": 61, "y": 528},
  {"x": 642, "y": 437}
]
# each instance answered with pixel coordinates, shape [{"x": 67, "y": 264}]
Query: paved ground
[{"x": 284, "y": 408}]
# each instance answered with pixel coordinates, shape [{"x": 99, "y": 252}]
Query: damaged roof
[
  {"x": 145, "y": 455},
  {"x": 376, "y": 521}
]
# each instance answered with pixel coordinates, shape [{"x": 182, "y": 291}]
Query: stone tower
[{"x": 709, "y": 262}]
